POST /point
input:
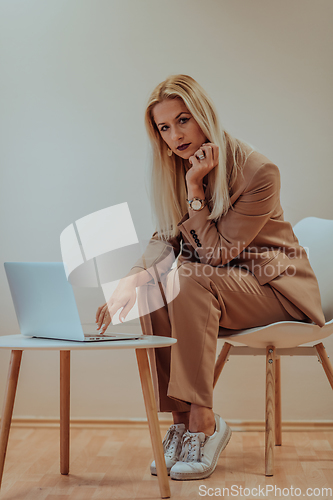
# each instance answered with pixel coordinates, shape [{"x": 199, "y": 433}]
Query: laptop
[{"x": 45, "y": 304}]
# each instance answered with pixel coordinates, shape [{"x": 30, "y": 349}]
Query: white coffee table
[{"x": 17, "y": 344}]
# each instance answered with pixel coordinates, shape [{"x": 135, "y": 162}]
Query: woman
[{"x": 239, "y": 264}]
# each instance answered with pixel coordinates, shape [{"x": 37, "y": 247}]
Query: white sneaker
[
  {"x": 200, "y": 453},
  {"x": 172, "y": 446}
]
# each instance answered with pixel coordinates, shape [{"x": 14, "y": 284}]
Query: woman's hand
[
  {"x": 123, "y": 297},
  {"x": 200, "y": 168}
]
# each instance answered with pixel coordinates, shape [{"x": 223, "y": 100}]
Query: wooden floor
[{"x": 114, "y": 464}]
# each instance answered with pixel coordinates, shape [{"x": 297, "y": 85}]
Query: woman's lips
[{"x": 183, "y": 147}]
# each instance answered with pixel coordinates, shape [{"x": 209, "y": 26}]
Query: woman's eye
[{"x": 182, "y": 121}]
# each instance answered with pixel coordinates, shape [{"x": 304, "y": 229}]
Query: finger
[
  {"x": 215, "y": 149},
  {"x": 101, "y": 317},
  {"x": 111, "y": 311},
  {"x": 99, "y": 311},
  {"x": 126, "y": 309},
  {"x": 106, "y": 322},
  {"x": 215, "y": 153},
  {"x": 211, "y": 144},
  {"x": 194, "y": 160},
  {"x": 200, "y": 152},
  {"x": 208, "y": 151}
]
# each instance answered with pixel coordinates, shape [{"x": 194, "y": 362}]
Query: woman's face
[{"x": 178, "y": 128}]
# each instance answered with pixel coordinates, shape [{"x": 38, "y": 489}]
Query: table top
[{"x": 19, "y": 342}]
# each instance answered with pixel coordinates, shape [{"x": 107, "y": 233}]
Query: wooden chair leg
[
  {"x": 153, "y": 423},
  {"x": 325, "y": 362},
  {"x": 278, "y": 430},
  {"x": 65, "y": 358},
  {"x": 221, "y": 361},
  {"x": 8, "y": 405},
  {"x": 270, "y": 402}
]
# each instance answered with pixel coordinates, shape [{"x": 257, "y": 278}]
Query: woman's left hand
[{"x": 200, "y": 168}]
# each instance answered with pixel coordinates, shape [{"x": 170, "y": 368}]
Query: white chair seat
[{"x": 284, "y": 334}]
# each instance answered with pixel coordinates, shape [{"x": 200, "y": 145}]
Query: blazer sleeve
[
  {"x": 217, "y": 243},
  {"x": 158, "y": 257}
]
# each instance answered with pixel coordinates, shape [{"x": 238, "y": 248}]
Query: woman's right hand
[{"x": 123, "y": 297}]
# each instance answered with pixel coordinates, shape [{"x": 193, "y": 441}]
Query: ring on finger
[{"x": 202, "y": 155}]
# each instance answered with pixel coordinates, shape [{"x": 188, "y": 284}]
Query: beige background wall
[{"x": 75, "y": 76}]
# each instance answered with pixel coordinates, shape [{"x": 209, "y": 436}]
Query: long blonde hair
[{"x": 168, "y": 185}]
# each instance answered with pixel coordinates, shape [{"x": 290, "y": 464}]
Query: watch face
[{"x": 196, "y": 204}]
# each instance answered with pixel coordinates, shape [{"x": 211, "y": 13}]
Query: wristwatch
[{"x": 196, "y": 203}]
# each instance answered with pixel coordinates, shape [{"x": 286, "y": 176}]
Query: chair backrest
[{"x": 316, "y": 236}]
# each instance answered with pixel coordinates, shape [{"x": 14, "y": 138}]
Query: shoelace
[
  {"x": 171, "y": 441},
  {"x": 191, "y": 448}
]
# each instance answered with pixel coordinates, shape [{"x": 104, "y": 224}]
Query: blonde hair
[{"x": 168, "y": 185}]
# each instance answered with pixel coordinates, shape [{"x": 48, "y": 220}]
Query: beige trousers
[{"x": 208, "y": 297}]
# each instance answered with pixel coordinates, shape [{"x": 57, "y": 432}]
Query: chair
[{"x": 285, "y": 337}]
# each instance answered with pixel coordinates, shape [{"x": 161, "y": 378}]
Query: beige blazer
[{"x": 252, "y": 234}]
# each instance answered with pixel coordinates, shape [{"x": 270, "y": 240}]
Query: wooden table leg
[
  {"x": 65, "y": 358},
  {"x": 270, "y": 403},
  {"x": 154, "y": 427},
  {"x": 7, "y": 411}
]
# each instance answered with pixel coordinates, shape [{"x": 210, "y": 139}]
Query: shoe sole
[{"x": 187, "y": 476}]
